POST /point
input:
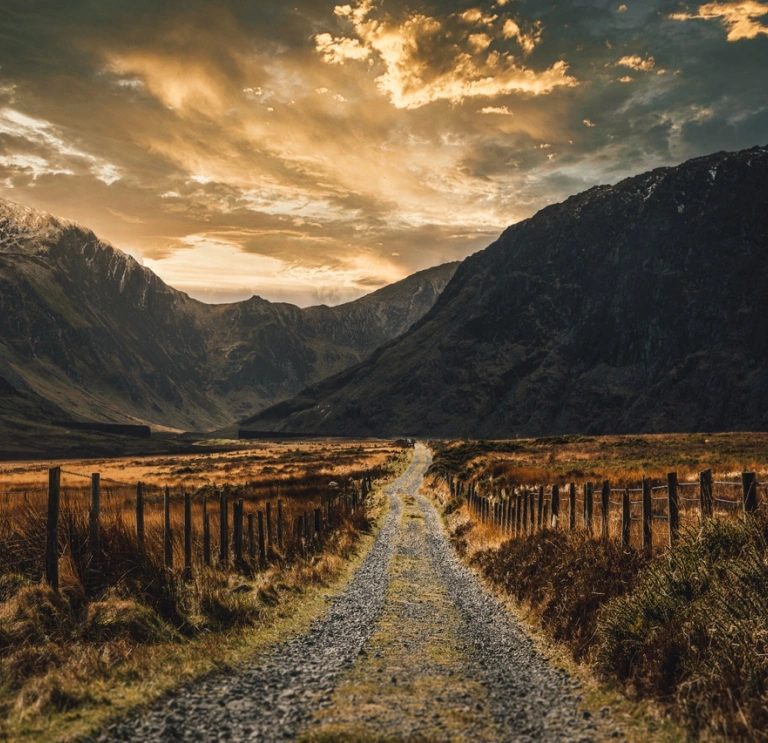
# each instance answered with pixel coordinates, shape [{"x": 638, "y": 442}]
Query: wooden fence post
[
  {"x": 280, "y": 523},
  {"x": 94, "y": 515},
  {"x": 605, "y": 512},
  {"x": 572, "y": 506},
  {"x": 531, "y": 497},
  {"x": 187, "y": 535},
  {"x": 518, "y": 514},
  {"x": 262, "y": 546},
  {"x": 52, "y": 530},
  {"x": 140, "y": 516},
  {"x": 705, "y": 494},
  {"x": 673, "y": 507},
  {"x": 318, "y": 523},
  {"x": 237, "y": 513},
  {"x": 625, "y": 518},
  {"x": 206, "y": 534},
  {"x": 588, "y": 507},
  {"x": 647, "y": 543},
  {"x": 223, "y": 529},
  {"x": 167, "y": 534},
  {"x": 749, "y": 488},
  {"x": 555, "y": 505},
  {"x": 540, "y": 508},
  {"x": 270, "y": 533},
  {"x": 525, "y": 511},
  {"x": 251, "y": 539}
]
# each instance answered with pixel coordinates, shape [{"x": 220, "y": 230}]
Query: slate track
[{"x": 466, "y": 668}]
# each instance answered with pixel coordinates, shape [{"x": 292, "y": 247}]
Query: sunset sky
[{"x": 312, "y": 152}]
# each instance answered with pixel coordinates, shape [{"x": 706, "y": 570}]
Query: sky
[{"x": 312, "y": 151}]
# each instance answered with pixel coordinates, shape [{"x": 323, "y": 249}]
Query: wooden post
[
  {"x": 223, "y": 529},
  {"x": 140, "y": 516},
  {"x": 749, "y": 489},
  {"x": 647, "y": 543},
  {"x": 187, "y": 535},
  {"x": 705, "y": 494},
  {"x": 300, "y": 533},
  {"x": 546, "y": 514},
  {"x": 206, "y": 534},
  {"x": 167, "y": 533},
  {"x": 518, "y": 515},
  {"x": 94, "y": 515},
  {"x": 572, "y": 506},
  {"x": 251, "y": 539},
  {"x": 605, "y": 511},
  {"x": 533, "y": 523},
  {"x": 262, "y": 545},
  {"x": 318, "y": 523},
  {"x": 52, "y": 530},
  {"x": 588, "y": 507},
  {"x": 555, "y": 505},
  {"x": 625, "y": 518},
  {"x": 673, "y": 507},
  {"x": 525, "y": 511},
  {"x": 270, "y": 533},
  {"x": 540, "y": 509},
  {"x": 238, "y": 516},
  {"x": 280, "y": 523}
]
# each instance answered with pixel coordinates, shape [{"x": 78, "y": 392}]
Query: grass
[
  {"x": 123, "y": 633},
  {"x": 686, "y": 628}
]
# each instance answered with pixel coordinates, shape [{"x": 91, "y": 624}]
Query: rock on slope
[
  {"x": 87, "y": 332},
  {"x": 638, "y": 307}
]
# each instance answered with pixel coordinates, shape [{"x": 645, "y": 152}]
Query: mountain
[
  {"x": 87, "y": 333},
  {"x": 639, "y": 307}
]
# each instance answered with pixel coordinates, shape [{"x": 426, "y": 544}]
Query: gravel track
[{"x": 497, "y": 686}]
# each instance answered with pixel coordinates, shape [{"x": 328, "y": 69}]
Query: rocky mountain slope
[
  {"x": 88, "y": 333},
  {"x": 638, "y": 307}
]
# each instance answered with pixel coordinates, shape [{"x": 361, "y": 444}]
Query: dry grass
[
  {"x": 61, "y": 653},
  {"x": 686, "y": 627}
]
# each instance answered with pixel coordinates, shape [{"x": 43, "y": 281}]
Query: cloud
[
  {"x": 622, "y": 8},
  {"x": 589, "y": 124},
  {"x": 636, "y": 62},
  {"x": 55, "y": 156},
  {"x": 340, "y": 50},
  {"x": 500, "y": 110},
  {"x": 420, "y": 66},
  {"x": 740, "y": 18}
]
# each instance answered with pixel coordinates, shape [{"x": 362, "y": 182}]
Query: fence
[
  {"x": 40, "y": 525},
  {"x": 626, "y": 513}
]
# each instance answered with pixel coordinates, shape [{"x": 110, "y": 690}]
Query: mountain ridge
[
  {"x": 636, "y": 307},
  {"x": 94, "y": 334}
]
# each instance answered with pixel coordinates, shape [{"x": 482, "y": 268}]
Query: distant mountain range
[
  {"x": 638, "y": 307},
  {"x": 87, "y": 333}
]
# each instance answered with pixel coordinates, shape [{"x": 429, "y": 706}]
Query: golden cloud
[
  {"x": 636, "y": 62},
  {"x": 738, "y": 17},
  {"x": 422, "y": 66}
]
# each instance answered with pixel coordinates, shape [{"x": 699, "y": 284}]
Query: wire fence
[
  {"x": 79, "y": 516},
  {"x": 593, "y": 507}
]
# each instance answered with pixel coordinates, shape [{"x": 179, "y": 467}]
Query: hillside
[
  {"x": 639, "y": 307},
  {"x": 88, "y": 333}
]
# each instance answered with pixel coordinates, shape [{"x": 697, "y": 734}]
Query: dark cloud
[{"x": 309, "y": 157}]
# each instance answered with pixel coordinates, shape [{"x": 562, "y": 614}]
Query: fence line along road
[
  {"x": 247, "y": 541},
  {"x": 525, "y": 510}
]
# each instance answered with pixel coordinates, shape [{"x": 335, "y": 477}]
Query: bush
[{"x": 695, "y": 629}]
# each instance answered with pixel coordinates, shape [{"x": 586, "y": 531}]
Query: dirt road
[{"x": 412, "y": 649}]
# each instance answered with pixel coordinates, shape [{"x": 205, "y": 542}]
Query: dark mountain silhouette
[
  {"x": 638, "y": 307},
  {"x": 87, "y": 333}
]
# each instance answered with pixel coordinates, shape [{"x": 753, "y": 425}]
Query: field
[
  {"x": 683, "y": 625},
  {"x": 119, "y": 596}
]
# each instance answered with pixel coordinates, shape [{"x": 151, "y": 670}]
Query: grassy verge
[
  {"x": 72, "y": 662},
  {"x": 685, "y": 630}
]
